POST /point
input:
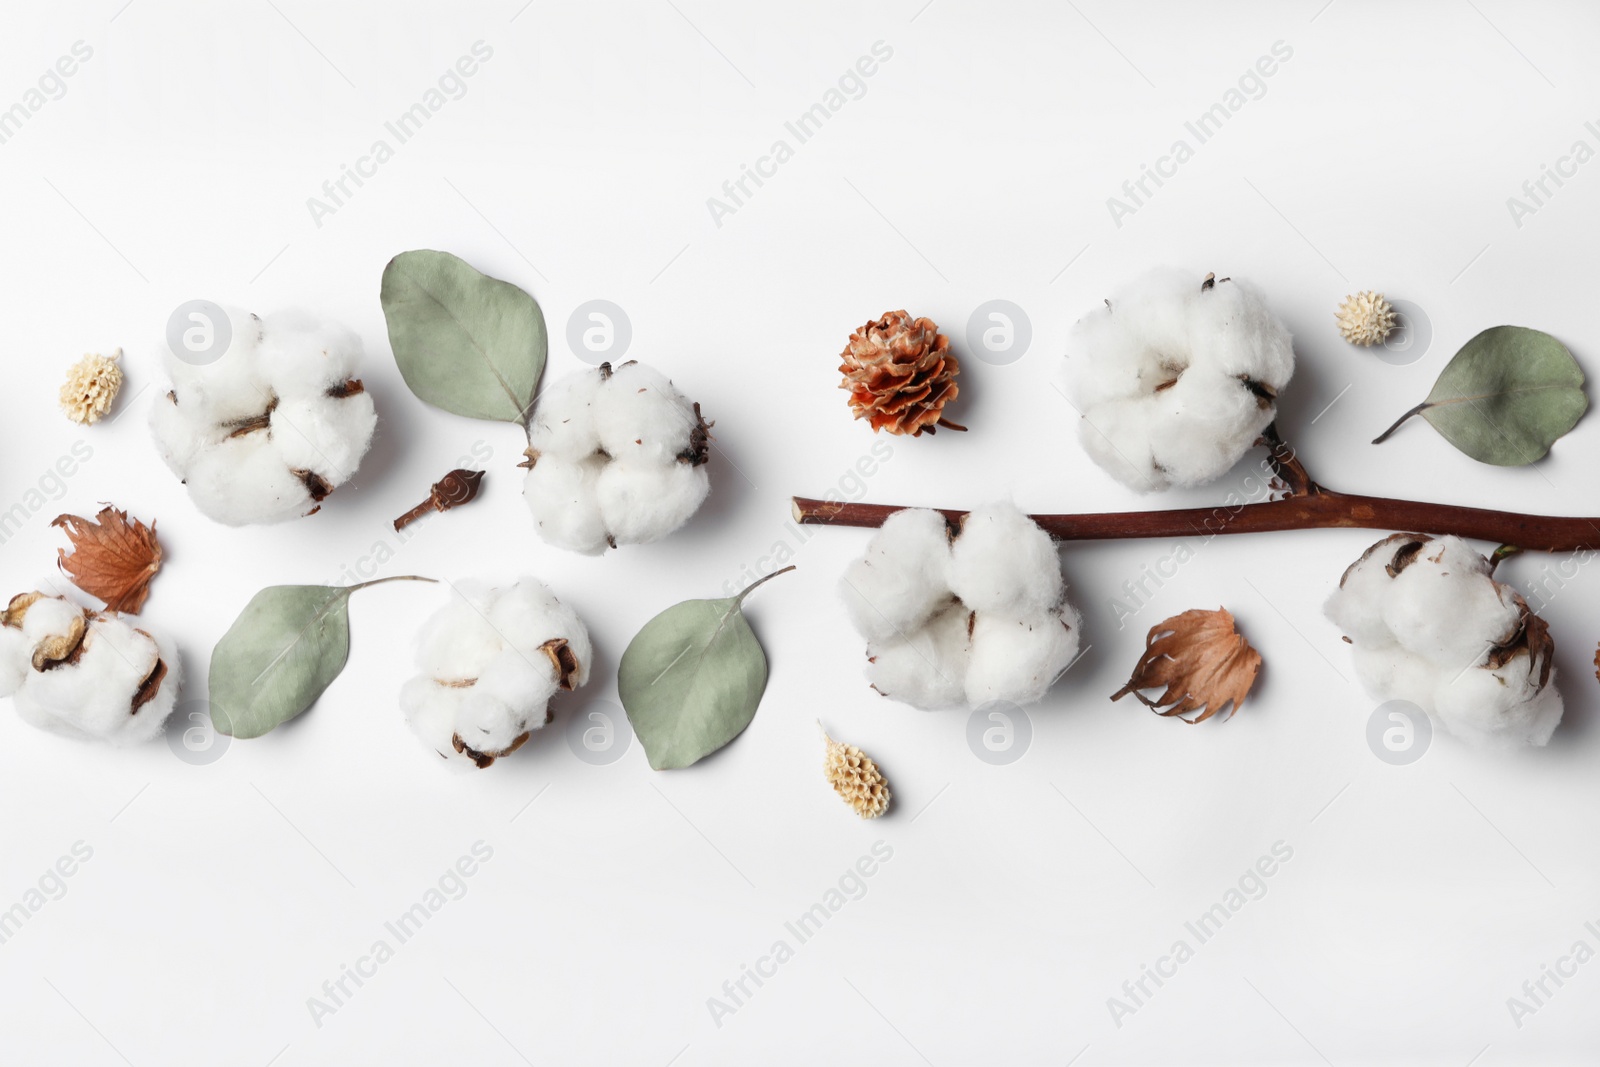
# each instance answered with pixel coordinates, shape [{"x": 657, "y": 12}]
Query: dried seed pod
[
  {"x": 1200, "y": 661},
  {"x": 1366, "y": 318},
  {"x": 91, "y": 387},
  {"x": 856, "y": 778}
]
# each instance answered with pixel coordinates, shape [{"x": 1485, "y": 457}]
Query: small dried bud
[
  {"x": 454, "y": 489},
  {"x": 1366, "y": 318},
  {"x": 91, "y": 387},
  {"x": 856, "y": 778}
]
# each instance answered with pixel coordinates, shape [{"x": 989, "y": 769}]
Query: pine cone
[
  {"x": 856, "y": 778},
  {"x": 1366, "y": 318},
  {"x": 900, "y": 374}
]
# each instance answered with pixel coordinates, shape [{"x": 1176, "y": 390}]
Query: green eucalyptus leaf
[
  {"x": 692, "y": 678},
  {"x": 465, "y": 342},
  {"x": 285, "y": 648},
  {"x": 1506, "y": 397}
]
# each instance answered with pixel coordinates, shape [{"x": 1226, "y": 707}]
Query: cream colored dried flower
[
  {"x": 856, "y": 778},
  {"x": 1366, "y": 318},
  {"x": 91, "y": 388}
]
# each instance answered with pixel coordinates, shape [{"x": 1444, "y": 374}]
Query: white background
[{"x": 976, "y": 166}]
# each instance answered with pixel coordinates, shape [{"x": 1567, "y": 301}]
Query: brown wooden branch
[{"x": 1308, "y": 506}]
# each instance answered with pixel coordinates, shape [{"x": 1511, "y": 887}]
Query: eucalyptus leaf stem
[
  {"x": 391, "y": 578},
  {"x": 760, "y": 582},
  {"x": 1385, "y": 435}
]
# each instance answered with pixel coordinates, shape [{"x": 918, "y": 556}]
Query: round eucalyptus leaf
[
  {"x": 1506, "y": 397},
  {"x": 692, "y": 678},
  {"x": 465, "y": 342}
]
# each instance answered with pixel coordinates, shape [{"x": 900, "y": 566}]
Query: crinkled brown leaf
[
  {"x": 1200, "y": 660},
  {"x": 112, "y": 558}
]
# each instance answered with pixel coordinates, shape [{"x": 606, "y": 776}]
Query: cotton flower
[
  {"x": 1175, "y": 378},
  {"x": 965, "y": 622},
  {"x": 85, "y": 675},
  {"x": 615, "y": 457},
  {"x": 1429, "y": 625},
  {"x": 267, "y": 430},
  {"x": 490, "y": 662},
  {"x": 91, "y": 387}
]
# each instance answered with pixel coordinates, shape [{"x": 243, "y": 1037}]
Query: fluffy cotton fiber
[
  {"x": 1429, "y": 625},
  {"x": 267, "y": 430},
  {"x": 965, "y": 622},
  {"x": 1176, "y": 379},
  {"x": 490, "y": 661},
  {"x": 616, "y": 457},
  {"x": 85, "y": 675}
]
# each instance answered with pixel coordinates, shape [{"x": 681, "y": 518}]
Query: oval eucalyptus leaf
[
  {"x": 465, "y": 342},
  {"x": 1506, "y": 397},
  {"x": 692, "y": 678},
  {"x": 284, "y": 649}
]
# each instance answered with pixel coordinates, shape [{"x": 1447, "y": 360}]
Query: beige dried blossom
[
  {"x": 856, "y": 779},
  {"x": 1366, "y": 318},
  {"x": 91, "y": 387}
]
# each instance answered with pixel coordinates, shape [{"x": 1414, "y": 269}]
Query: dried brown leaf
[
  {"x": 112, "y": 557},
  {"x": 1200, "y": 660}
]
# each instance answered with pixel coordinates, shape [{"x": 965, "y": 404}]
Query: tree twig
[{"x": 1307, "y": 506}]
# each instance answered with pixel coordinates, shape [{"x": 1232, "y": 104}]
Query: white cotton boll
[
  {"x": 1502, "y": 708},
  {"x": 227, "y": 387},
  {"x": 563, "y": 497},
  {"x": 528, "y": 614},
  {"x": 1356, "y": 607},
  {"x": 260, "y": 430},
  {"x": 49, "y": 617},
  {"x": 487, "y": 678},
  {"x": 91, "y": 698},
  {"x": 16, "y": 651},
  {"x": 639, "y": 414},
  {"x": 926, "y": 668},
  {"x": 564, "y": 417},
  {"x": 1003, "y": 562},
  {"x": 1133, "y": 341},
  {"x": 1423, "y": 614},
  {"x": 1389, "y": 672},
  {"x": 430, "y": 710},
  {"x": 619, "y": 458},
  {"x": 458, "y": 641},
  {"x": 1176, "y": 376},
  {"x": 179, "y": 438},
  {"x": 324, "y": 435},
  {"x": 1198, "y": 424},
  {"x": 643, "y": 501},
  {"x": 1016, "y": 660},
  {"x": 1117, "y": 435},
  {"x": 243, "y": 481},
  {"x": 925, "y": 605},
  {"x": 524, "y": 681},
  {"x": 1444, "y": 605},
  {"x": 511, "y": 698},
  {"x": 903, "y": 578},
  {"x": 302, "y": 356},
  {"x": 1233, "y": 332}
]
